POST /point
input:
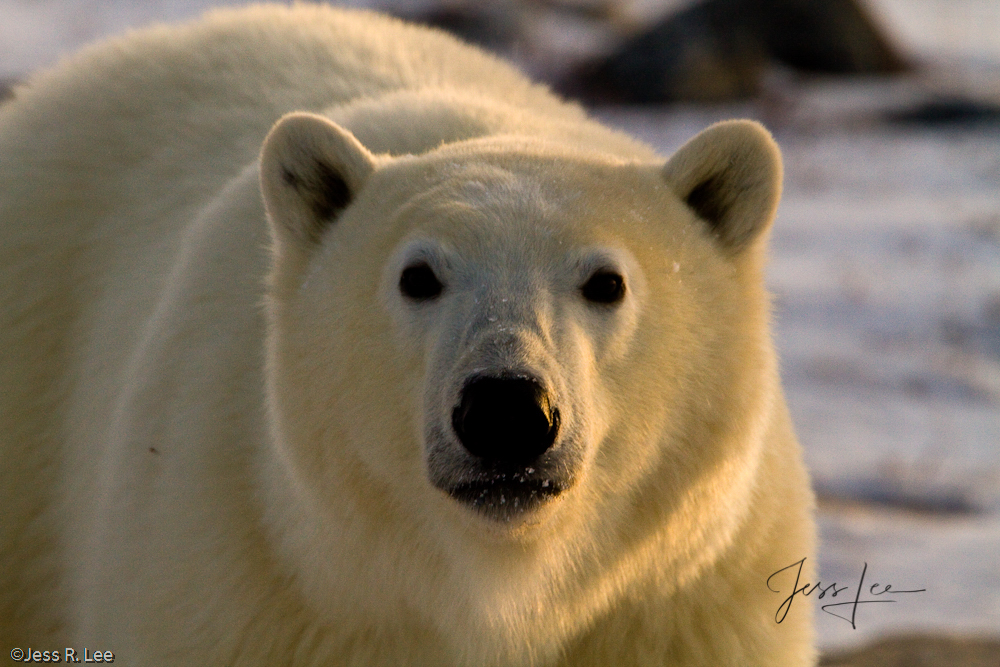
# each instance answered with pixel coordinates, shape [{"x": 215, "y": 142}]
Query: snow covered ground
[{"x": 886, "y": 275}]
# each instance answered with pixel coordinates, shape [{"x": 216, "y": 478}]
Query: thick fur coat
[{"x": 444, "y": 374}]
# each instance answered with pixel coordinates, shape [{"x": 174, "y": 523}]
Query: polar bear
[{"x": 329, "y": 340}]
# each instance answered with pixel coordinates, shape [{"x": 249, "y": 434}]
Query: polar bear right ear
[
  {"x": 310, "y": 170},
  {"x": 730, "y": 176}
]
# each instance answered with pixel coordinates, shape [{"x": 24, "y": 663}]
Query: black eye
[
  {"x": 418, "y": 282},
  {"x": 604, "y": 287}
]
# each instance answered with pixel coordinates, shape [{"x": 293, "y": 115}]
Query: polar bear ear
[
  {"x": 310, "y": 170},
  {"x": 730, "y": 176}
]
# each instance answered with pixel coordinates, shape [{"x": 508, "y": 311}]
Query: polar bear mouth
[{"x": 506, "y": 495}]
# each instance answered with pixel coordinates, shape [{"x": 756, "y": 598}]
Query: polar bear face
[
  {"x": 514, "y": 308},
  {"x": 499, "y": 326}
]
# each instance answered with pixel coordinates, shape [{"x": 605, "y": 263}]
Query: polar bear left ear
[
  {"x": 310, "y": 170},
  {"x": 730, "y": 176}
]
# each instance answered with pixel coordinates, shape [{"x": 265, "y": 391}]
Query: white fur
[{"x": 192, "y": 477}]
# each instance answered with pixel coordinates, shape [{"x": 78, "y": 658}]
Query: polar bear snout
[
  {"x": 505, "y": 421},
  {"x": 508, "y": 451}
]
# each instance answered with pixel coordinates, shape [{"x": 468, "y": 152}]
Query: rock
[
  {"x": 950, "y": 111},
  {"x": 493, "y": 25},
  {"x": 720, "y": 49},
  {"x": 7, "y": 89},
  {"x": 920, "y": 651}
]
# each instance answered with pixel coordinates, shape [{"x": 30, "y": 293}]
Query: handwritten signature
[{"x": 808, "y": 589}]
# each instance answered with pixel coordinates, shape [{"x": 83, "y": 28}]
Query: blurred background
[{"x": 885, "y": 256}]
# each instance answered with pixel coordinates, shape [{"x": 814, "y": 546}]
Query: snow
[{"x": 886, "y": 277}]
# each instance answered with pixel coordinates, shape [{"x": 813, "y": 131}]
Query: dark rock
[
  {"x": 827, "y": 36},
  {"x": 492, "y": 25},
  {"x": 948, "y": 111},
  {"x": 920, "y": 651},
  {"x": 701, "y": 53},
  {"x": 7, "y": 89},
  {"x": 720, "y": 49}
]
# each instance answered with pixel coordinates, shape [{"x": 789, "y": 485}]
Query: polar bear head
[{"x": 502, "y": 327}]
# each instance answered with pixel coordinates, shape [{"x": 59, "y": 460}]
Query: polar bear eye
[
  {"x": 604, "y": 287},
  {"x": 418, "y": 282}
]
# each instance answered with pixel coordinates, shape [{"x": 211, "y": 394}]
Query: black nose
[{"x": 505, "y": 420}]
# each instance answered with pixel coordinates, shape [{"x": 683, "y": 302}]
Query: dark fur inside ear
[
  {"x": 708, "y": 200},
  {"x": 730, "y": 176},
  {"x": 311, "y": 169},
  {"x": 323, "y": 189}
]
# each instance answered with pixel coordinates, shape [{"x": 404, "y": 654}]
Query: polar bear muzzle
[
  {"x": 509, "y": 421},
  {"x": 508, "y": 426}
]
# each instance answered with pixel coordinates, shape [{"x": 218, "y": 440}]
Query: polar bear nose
[{"x": 505, "y": 420}]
